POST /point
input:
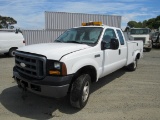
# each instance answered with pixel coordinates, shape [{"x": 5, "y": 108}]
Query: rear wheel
[
  {"x": 12, "y": 52},
  {"x": 133, "y": 66},
  {"x": 80, "y": 91}
]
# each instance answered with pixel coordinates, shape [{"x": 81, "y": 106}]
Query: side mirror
[{"x": 114, "y": 43}]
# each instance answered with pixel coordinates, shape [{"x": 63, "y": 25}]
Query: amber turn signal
[{"x": 52, "y": 72}]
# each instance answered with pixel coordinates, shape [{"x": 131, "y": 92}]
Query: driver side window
[{"x": 108, "y": 35}]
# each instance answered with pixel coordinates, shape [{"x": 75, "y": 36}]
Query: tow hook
[{"x": 21, "y": 84}]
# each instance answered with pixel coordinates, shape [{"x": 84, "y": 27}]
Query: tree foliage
[
  {"x": 6, "y": 21},
  {"x": 153, "y": 23}
]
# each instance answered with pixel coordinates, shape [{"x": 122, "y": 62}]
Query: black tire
[
  {"x": 80, "y": 91},
  {"x": 148, "y": 49},
  {"x": 12, "y": 52},
  {"x": 133, "y": 66},
  {"x": 153, "y": 45}
]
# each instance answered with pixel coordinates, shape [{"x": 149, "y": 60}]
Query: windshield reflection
[{"x": 87, "y": 35}]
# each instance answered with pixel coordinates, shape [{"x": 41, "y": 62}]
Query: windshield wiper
[
  {"x": 58, "y": 41},
  {"x": 73, "y": 42}
]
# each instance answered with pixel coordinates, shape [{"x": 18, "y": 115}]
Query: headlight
[
  {"x": 56, "y": 68},
  {"x": 57, "y": 65}
]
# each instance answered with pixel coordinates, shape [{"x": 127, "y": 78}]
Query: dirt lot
[{"x": 122, "y": 95}]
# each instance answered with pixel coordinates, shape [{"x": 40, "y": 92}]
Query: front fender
[{"x": 85, "y": 62}]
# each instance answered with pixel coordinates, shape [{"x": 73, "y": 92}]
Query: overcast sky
[{"x": 30, "y": 13}]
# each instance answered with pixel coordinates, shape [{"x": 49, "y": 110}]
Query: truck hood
[
  {"x": 140, "y": 35},
  {"x": 53, "y": 50}
]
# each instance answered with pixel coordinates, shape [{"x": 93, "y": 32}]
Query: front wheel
[
  {"x": 80, "y": 91},
  {"x": 12, "y": 52},
  {"x": 133, "y": 66}
]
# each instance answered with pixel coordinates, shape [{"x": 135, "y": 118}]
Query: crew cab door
[{"x": 113, "y": 59}]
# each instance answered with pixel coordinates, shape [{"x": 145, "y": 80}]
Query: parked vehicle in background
[
  {"x": 78, "y": 57},
  {"x": 127, "y": 36},
  {"x": 143, "y": 34},
  {"x": 156, "y": 39},
  {"x": 10, "y": 40}
]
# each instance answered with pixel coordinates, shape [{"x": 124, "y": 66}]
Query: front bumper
[
  {"x": 147, "y": 46},
  {"x": 50, "y": 86}
]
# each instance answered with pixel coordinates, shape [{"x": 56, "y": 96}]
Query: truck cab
[
  {"x": 77, "y": 58},
  {"x": 143, "y": 34}
]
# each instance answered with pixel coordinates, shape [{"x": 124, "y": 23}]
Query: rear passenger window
[{"x": 120, "y": 37}]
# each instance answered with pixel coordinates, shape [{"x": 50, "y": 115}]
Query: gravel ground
[{"x": 121, "y": 95}]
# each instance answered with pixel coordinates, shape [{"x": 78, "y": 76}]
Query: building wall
[
  {"x": 57, "y": 22},
  {"x": 40, "y": 36},
  {"x": 63, "y": 20}
]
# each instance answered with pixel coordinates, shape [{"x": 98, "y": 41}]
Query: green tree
[
  {"x": 150, "y": 23},
  {"x": 156, "y": 24},
  {"x": 135, "y": 24},
  {"x": 144, "y": 23},
  {"x": 139, "y": 25},
  {"x": 6, "y": 21},
  {"x": 157, "y": 18},
  {"x": 153, "y": 23},
  {"x": 132, "y": 24}
]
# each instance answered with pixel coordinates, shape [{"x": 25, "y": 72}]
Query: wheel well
[
  {"x": 89, "y": 70},
  {"x": 86, "y": 69},
  {"x": 13, "y": 48},
  {"x": 138, "y": 56}
]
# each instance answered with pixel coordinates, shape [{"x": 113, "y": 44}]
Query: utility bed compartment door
[
  {"x": 130, "y": 56},
  {"x": 134, "y": 47}
]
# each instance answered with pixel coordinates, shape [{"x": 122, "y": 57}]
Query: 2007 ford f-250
[{"x": 78, "y": 57}]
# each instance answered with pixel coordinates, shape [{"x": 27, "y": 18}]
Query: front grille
[
  {"x": 30, "y": 65},
  {"x": 140, "y": 38}
]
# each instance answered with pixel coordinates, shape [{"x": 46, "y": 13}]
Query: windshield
[
  {"x": 87, "y": 35},
  {"x": 140, "y": 31}
]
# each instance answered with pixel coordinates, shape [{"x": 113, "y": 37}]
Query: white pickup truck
[
  {"x": 78, "y": 57},
  {"x": 10, "y": 40}
]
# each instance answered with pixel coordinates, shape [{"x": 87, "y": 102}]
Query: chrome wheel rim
[
  {"x": 13, "y": 53},
  {"x": 85, "y": 92}
]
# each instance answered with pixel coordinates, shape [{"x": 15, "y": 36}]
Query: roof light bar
[{"x": 92, "y": 23}]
